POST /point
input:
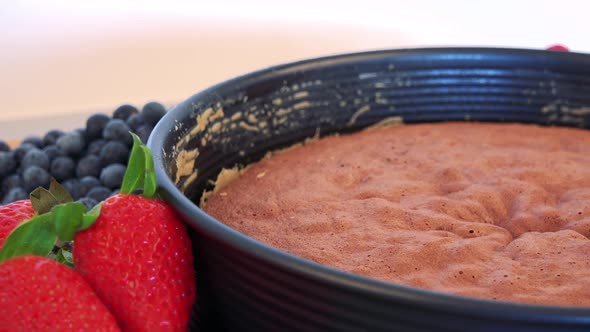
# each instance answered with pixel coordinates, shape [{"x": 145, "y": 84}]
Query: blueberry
[
  {"x": 15, "y": 194},
  {"x": 135, "y": 121},
  {"x": 99, "y": 194},
  {"x": 51, "y": 137},
  {"x": 95, "y": 125},
  {"x": 72, "y": 144},
  {"x": 21, "y": 150},
  {"x": 35, "y": 176},
  {"x": 112, "y": 176},
  {"x": 152, "y": 112},
  {"x": 73, "y": 186},
  {"x": 89, "y": 182},
  {"x": 7, "y": 163},
  {"x": 35, "y": 140},
  {"x": 96, "y": 146},
  {"x": 88, "y": 202},
  {"x": 35, "y": 157},
  {"x": 52, "y": 151},
  {"x": 117, "y": 130},
  {"x": 123, "y": 112},
  {"x": 63, "y": 168},
  {"x": 88, "y": 166},
  {"x": 81, "y": 132},
  {"x": 4, "y": 146},
  {"x": 144, "y": 132},
  {"x": 11, "y": 181},
  {"x": 114, "y": 152}
]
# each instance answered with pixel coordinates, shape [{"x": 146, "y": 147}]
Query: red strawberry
[
  {"x": 39, "y": 294},
  {"x": 137, "y": 255},
  {"x": 12, "y": 215}
]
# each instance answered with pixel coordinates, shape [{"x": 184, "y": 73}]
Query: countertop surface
[{"x": 65, "y": 60}]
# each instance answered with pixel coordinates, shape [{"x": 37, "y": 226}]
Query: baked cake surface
[{"x": 498, "y": 211}]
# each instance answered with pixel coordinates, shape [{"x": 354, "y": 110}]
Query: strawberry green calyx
[
  {"x": 90, "y": 217},
  {"x": 33, "y": 237},
  {"x": 56, "y": 220},
  {"x": 140, "y": 173},
  {"x": 67, "y": 219}
]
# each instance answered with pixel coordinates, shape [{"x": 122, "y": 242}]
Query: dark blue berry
[
  {"x": 73, "y": 186},
  {"x": 135, "y": 121},
  {"x": 15, "y": 194},
  {"x": 112, "y": 176},
  {"x": 95, "y": 125},
  {"x": 63, "y": 168},
  {"x": 88, "y": 166},
  {"x": 123, "y": 112},
  {"x": 89, "y": 182},
  {"x": 96, "y": 146},
  {"x": 152, "y": 112},
  {"x": 35, "y": 157},
  {"x": 35, "y": 140},
  {"x": 117, "y": 130},
  {"x": 52, "y": 151},
  {"x": 72, "y": 144},
  {"x": 11, "y": 181},
  {"x": 21, "y": 150},
  {"x": 81, "y": 132},
  {"x": 35, "y": 176},
  {"x": 143, "y": 133},
  {"x": 51, "y": 137},
  {"x": 7, "y": 163},
  {"x": 4, "y": 146},
  {"x": 99, "y": 194},
  {"x": 88, "y": 202},
  {"x": 114, "y": 152}
]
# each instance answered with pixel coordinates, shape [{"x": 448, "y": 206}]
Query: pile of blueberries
[{"x": 89, "y": 162}]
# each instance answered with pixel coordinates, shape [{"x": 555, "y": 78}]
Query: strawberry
[
  {"x": 137, "y": 255},
  {"x": 39, "y": 294},
  {"x": 133, "y": 251},
  {"x": 43, "y": 224},
  {"x": 12, "y": 215}
]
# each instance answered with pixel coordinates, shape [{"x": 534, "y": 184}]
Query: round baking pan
[{"x": 246, "y": 285}]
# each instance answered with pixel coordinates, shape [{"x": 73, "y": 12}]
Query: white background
[{"x": 62, "y": 60}]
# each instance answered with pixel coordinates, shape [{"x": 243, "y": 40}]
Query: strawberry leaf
[
  {"x": 140, "y": 171},
  {"x": 65, "y": 257},
  {"x": 90, "y": 217},
  {"x": 34, "y": 237},
  {"x": 59, "y": 192},
  {"x": 66, "y": 219},
  {"x": 43, "y": 200},
  {"x": 135, "y": 173},
  {"x": 149, "y": 185}
]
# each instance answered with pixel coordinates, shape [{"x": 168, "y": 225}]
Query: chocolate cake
[{"x": 497, "y": 211}]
